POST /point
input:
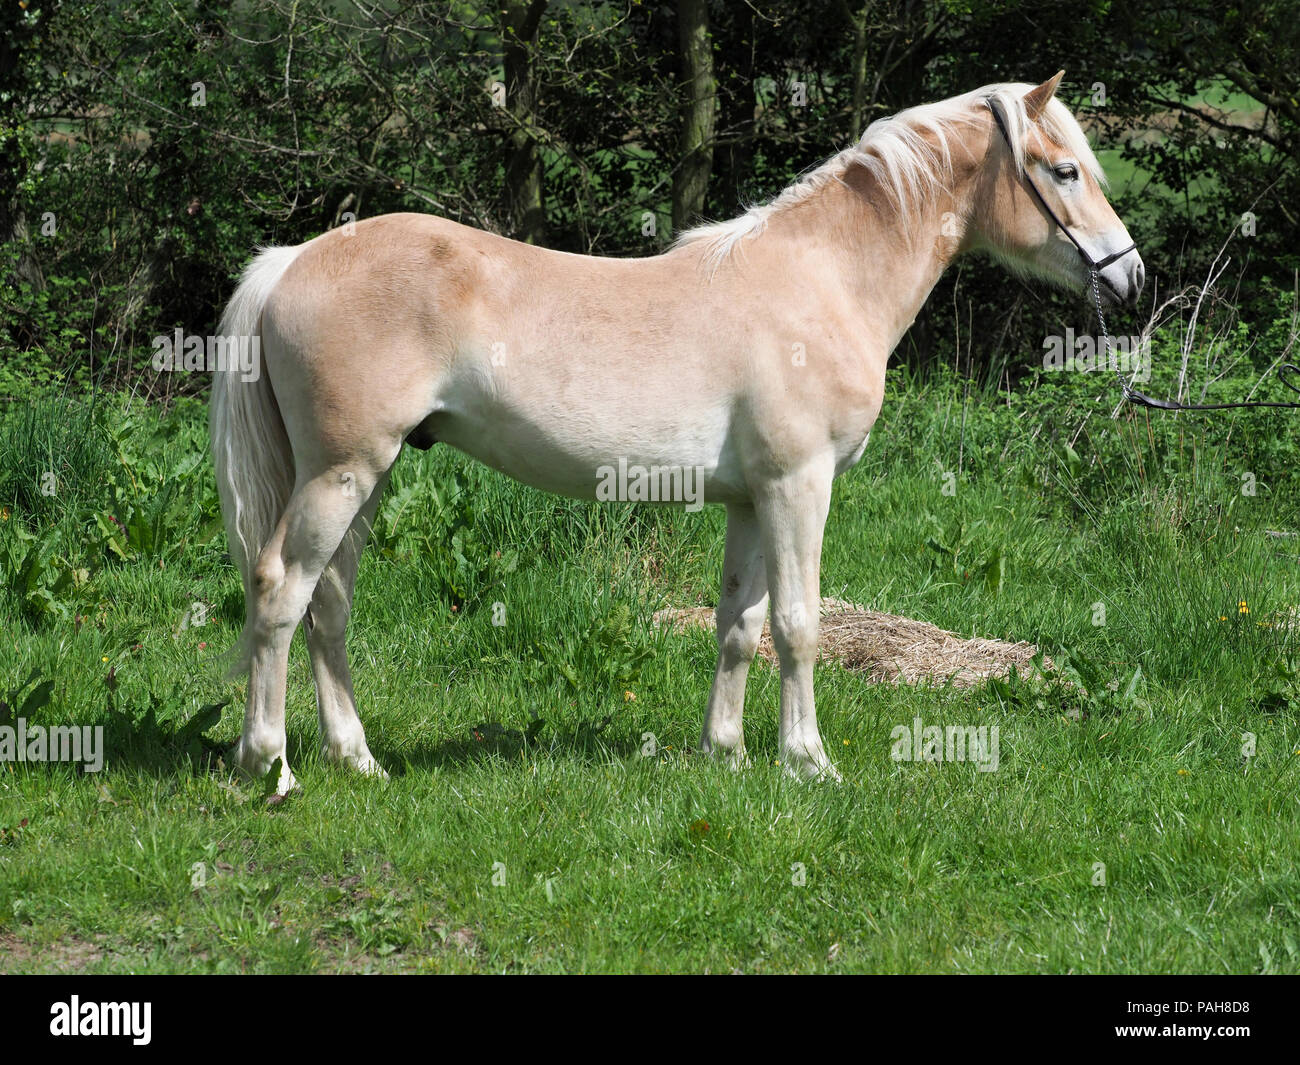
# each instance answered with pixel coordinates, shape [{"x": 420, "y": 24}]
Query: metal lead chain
[{"x": 1094, "y": 280}]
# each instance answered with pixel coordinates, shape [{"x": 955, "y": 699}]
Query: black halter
[{"x": 1095, "y": 266}]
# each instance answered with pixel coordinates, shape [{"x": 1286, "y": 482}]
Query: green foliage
[
  {"x": 954, "y": 549},
  {"x": 1056, "y": 428},
  {"x": 52, "y": 325},
  {"x": 1074, "y": 685},
  {"x": 161, "y": 728},
  {"x": 438, "y": 521},
  {"x": 84, "y": 490},
  {"x": 601, "y": 661},
  {"x": 46, "y": 583},
  {"x": 26, "y": 699},
  {"x": 1281, "y": 687},
  {"x": 139, "y": 197}
]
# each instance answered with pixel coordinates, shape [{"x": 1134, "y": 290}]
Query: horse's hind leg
[
  {"x": 742, "y": 606},
  {"x": 319, "y": 513},
  {"x": 343, "y": 739}
]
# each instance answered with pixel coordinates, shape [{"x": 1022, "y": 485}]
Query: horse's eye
[{"x": 1066, "y": 172}]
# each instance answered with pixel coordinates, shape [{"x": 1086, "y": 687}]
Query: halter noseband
[
  {"x": 1287, "y": 373},
  {"x": 1094, "y": 265}
]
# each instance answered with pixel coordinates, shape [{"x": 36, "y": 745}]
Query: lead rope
[
  {"x": 1142, "y": 400},
  {"x": 1094, "y": 275}
]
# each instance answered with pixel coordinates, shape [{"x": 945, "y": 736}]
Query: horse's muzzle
[{"x": 1122, "y": 281}]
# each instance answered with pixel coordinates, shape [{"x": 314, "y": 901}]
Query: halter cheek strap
[
  {"x": 1287, "y": 373},
  {"x": 1092, "y": 264}
]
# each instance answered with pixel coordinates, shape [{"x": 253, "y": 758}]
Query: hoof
[
  {"x": 363, "y": 763},
  {"x": 733, "y": 757},
  {"x": 254, "y": 765},
  {"x": 815, "y": 768}
]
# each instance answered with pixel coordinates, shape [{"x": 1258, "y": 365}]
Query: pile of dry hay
[{"x": 887, "y": 647}]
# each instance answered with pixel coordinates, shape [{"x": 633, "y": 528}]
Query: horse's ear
[{"x": 1036, "y": 100}]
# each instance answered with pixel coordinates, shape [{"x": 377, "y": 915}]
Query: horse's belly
[{"x": 584, "y": 459}]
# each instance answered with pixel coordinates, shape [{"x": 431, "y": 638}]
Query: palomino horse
[{"x": 753, "y": 351}]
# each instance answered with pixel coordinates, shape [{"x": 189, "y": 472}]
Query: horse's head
[{"x": 1041, "y": 188}]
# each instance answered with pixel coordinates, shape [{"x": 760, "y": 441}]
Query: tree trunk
[
  {"x": 15, "y": 33},
  {"x": 524, "y": 198},
  {"x": 858, "y": 122},
  {"x": 737, "y": 107},
  {"x": 699, "y": 112}
]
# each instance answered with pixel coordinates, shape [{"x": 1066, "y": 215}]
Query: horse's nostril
[{"x": 1139, "y": 279}]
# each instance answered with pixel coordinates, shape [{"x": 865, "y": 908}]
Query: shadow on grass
[
  {"x": 165, "y": 736},
  {"x": 589, "y": 741},
  {"x": 160, "y": 734}
]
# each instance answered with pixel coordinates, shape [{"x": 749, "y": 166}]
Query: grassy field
[{"x": 526, "y": 829}]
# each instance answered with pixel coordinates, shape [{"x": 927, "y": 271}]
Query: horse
[{"x": 752, "y": 351}]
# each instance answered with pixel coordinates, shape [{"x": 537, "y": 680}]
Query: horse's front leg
[
  {"x": 742, "y": 606},
  {"x": 792, "y": 516}
]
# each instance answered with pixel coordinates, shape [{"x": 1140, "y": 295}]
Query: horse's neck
[{"x": 888, "y": 260}]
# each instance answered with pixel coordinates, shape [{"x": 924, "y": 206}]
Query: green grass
[{"x": 163, "y": 863}]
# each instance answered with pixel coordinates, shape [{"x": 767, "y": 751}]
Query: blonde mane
[{"x": 909, "y": 156}]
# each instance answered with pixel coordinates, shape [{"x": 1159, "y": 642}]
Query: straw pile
[{"x": 888, "y": 648}]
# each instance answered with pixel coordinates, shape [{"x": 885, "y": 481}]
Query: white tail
[{"x": 251, "y": 452}]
